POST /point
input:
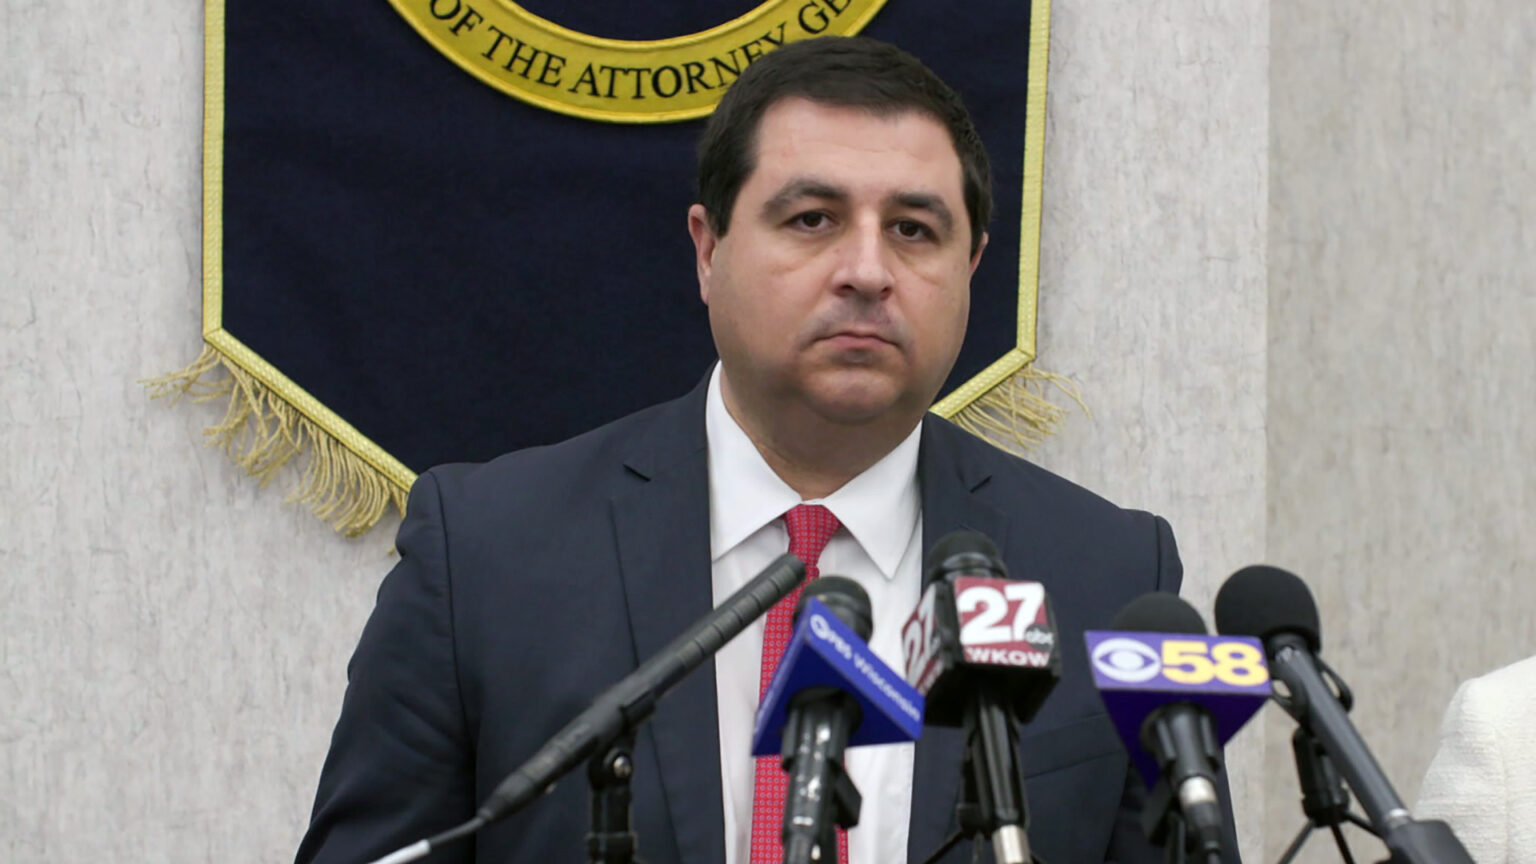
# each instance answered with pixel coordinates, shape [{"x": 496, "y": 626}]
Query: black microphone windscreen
[
  {"x": 845, "y": 598},
  {"x": 962, "y": 550},
  {"x": 1264, "y": 601},
  {"x": 1159, "y": 612}
]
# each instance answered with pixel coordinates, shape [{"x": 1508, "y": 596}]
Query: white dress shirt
[{"x": 879, "y": 546}]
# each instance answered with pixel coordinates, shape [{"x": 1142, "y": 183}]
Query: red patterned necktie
[{"x": 810, "y": 527}]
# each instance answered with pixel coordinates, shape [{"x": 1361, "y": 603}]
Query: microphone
[
  {"x": 1177, "y": 695},
  {"x": 623, "y": 706},
  {"x": 830, "y": 692},
  {"x": 981, "y": 648},
  {"x": 1276, "y": 607}
]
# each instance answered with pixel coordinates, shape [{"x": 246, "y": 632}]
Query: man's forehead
[
  {"x": 790, "y": 115},
  {"x": 796, "y": 127}
]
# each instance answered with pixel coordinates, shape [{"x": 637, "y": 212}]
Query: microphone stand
[
  {"x": 1163, "y": 822},
  {"x": 1182, "y": 789},
  {"x": 611, "y": 838},
  {"x": 973, "y": 815},
  {"x": 1324, "y": 799},
  {"x": 992, "y": 761},
  {"x": 992, "y": 801},
  {"x": 821, "y": 795}
]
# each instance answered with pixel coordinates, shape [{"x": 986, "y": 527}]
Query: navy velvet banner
[{"x": 457, "y": 273}]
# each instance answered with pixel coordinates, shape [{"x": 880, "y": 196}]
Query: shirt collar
[{"x": 879, "y": 507}]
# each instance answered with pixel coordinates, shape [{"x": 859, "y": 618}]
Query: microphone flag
[
  {"x": 1137, "y": 673},
  {"x": 825, "y": 652},
  {"x": 970, "y": 627}
]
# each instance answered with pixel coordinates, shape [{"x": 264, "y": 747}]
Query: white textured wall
[
  {"x": 172, "y": 638},
  {"x": 1402, "y": 354},
  {"x": 1152, "y": 292}
]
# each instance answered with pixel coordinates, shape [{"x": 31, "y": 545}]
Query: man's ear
[
  {"x": 980, "y": 248},
  {"x": 705, "y": 242}
]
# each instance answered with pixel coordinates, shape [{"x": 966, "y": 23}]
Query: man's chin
[{"x": 856, "y": 399}]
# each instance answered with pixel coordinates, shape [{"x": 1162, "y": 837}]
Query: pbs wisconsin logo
[{"x": 1127, "y": 660}]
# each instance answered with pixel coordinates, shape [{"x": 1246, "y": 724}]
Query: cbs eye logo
[{"x": 1127, "y": 660}]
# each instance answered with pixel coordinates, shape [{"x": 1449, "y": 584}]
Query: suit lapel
[
  {"x": 662, "y": 526},
  {"x": 948, "y": 476}
]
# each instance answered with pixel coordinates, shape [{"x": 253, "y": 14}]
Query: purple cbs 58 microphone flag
[
  {"x": 824, "y": 651},
  {"x": 1136, "y": 673}
]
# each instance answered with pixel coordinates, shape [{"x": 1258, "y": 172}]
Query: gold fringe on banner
[
  {"x": 1016, "y": 415},
  {"x": 262, "y": 432}
]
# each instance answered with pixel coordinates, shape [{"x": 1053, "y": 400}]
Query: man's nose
[{"x": 864, "y": 265}]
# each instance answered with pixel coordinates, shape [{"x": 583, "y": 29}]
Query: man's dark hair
[{"x": 851, "y": 72}]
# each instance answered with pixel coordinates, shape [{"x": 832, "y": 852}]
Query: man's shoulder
[
  {"x": 1013, "y": 477},
  {"x": 593, "y": 463},
  {"x": 1056, "y": 526}
]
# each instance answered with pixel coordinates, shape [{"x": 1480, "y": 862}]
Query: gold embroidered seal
[{"x": 613, "y": 80}]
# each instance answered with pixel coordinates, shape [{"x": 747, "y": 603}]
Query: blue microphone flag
[{"x": 825, "y": 652}]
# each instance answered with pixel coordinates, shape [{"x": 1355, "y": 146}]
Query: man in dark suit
[{"x": 844, "y": 196}]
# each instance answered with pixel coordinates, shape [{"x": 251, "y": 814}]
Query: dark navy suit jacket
[{"x": 528, "y": 585}]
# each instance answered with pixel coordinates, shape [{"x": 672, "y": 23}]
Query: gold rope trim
[
  {"x": 1006, "y": 404},
  {"x": 1016, "y": 415},
  {"x": 262, "y": 432}
]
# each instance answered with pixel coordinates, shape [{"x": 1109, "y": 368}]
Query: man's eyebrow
[
  {"x": 802, "y": 187},
  {"x": 925, "y": 201}
]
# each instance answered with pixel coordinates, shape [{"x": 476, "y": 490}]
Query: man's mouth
[
  {"x": 859, "y": 337},
  {"x": 856, "y": 341}
]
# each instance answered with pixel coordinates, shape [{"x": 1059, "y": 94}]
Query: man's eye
[
  {"x": 811, "y": 220},
  {"x": 912, "y": 230}
]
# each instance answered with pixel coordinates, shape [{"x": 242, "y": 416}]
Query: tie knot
[{"x": 810, "y": 527}]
